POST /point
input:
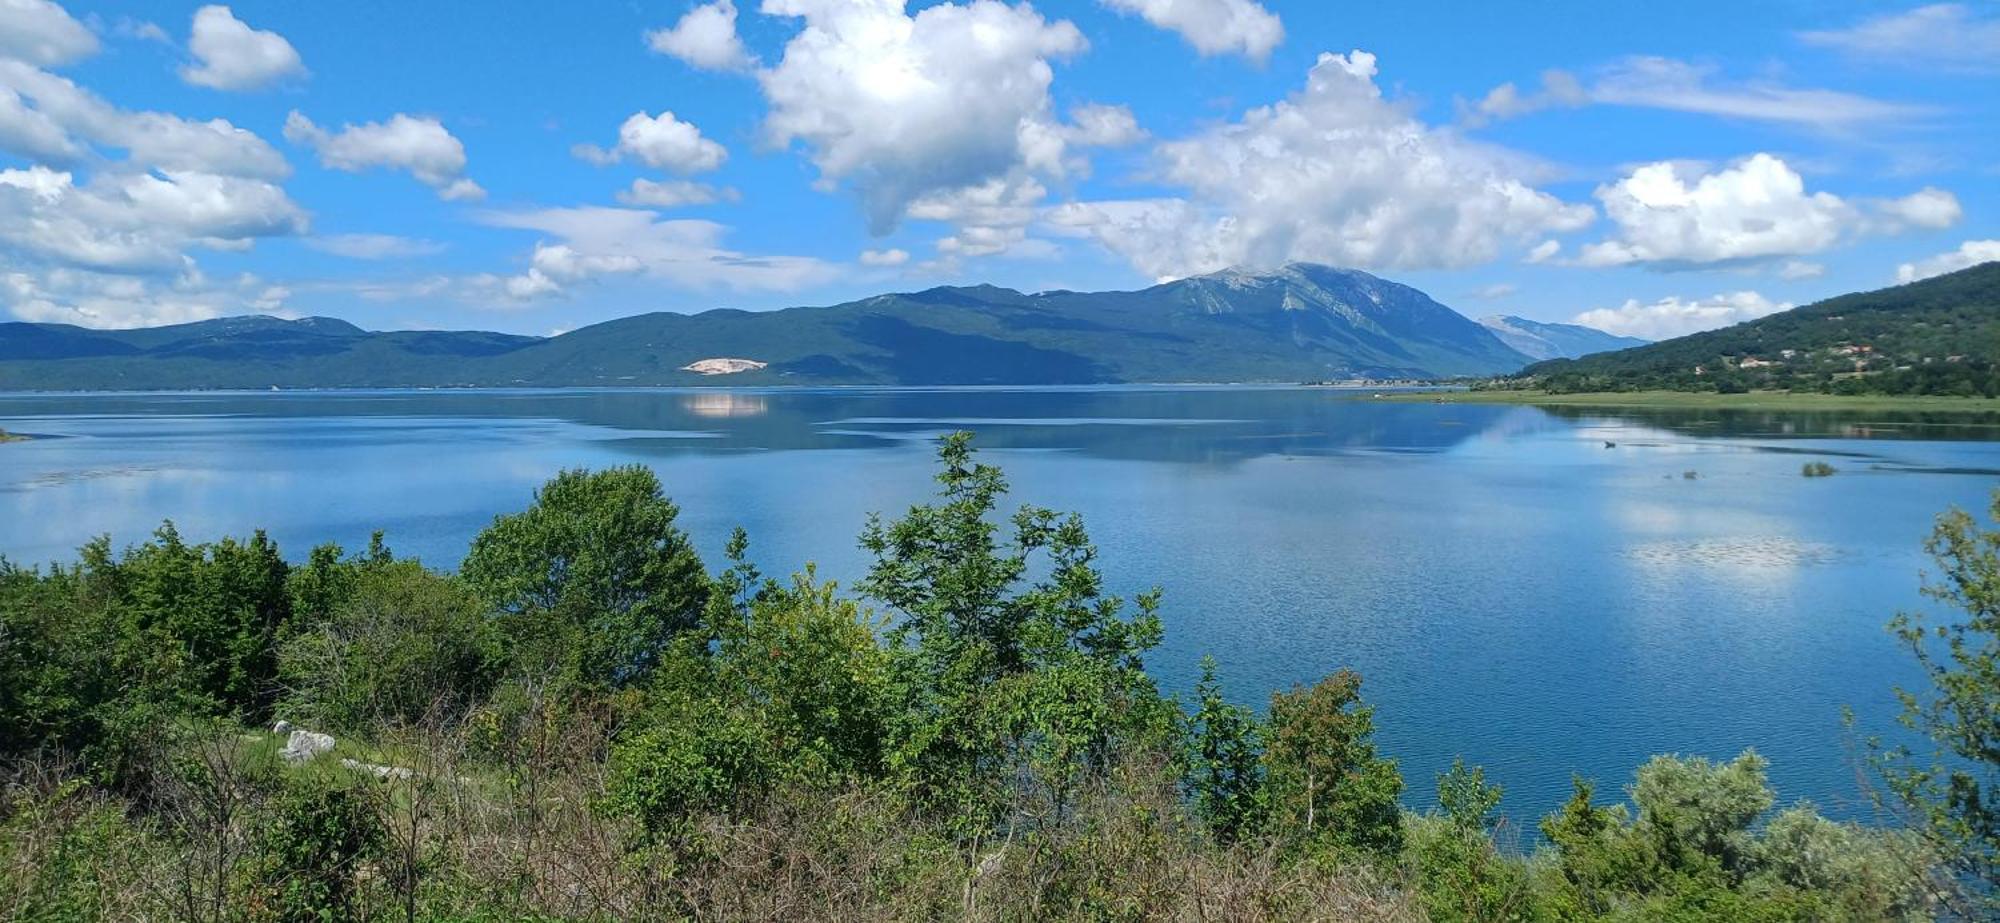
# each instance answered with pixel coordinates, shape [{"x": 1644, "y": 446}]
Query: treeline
[
  {"x": 582, "y": 723},
  {"x": 1940, "y": 336}
]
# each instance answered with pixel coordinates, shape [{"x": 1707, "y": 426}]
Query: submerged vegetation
[
  {"x": 583, "y": 723},
  {"x": 1817, "y": 469}
]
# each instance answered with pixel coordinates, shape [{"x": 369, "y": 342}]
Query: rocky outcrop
[{"x": 722, "y": 366}]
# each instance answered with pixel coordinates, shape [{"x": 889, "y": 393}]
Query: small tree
[
  {"x": 1951, "y": 794},
  {"x": 594, "y": 578},
  {"x": 1225, "y": 761},
  {"x": 1327, "y": 785},
  {"x": 998, "y": 680}
]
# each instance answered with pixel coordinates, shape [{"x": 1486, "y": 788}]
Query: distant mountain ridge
[
  {"x": 1937, "y": 336},
  {"x": 1542, "y": 340},
  {"x": 1298, "y": 322}
]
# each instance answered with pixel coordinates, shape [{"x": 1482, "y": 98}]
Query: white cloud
[
  {"x": 137, "y": 221},
  {"x": 1213, "y": 27},
  {"x": 900, "y": 106},
  {"x": 1495, "y": 291},
  {"x": 1672, "y": 317},
  {"x": 990, "y": 218},
  {"x": 374, "y": 246},
  {"x": 1800, "y": 269},
  {"x": 705, "y": 38},
  {"x": 1929, "y": 207},
  {"x": 675, "y": 193},
  {"x": 1943, "y": 35},
  {"x": 1666, "y": 83},
  {"x": 1333, "y": 174},
  {"x": 1969, "y": 254},
  {"x": 41, "y": 33},
  {"x": 421, "y": 146},
  {"x": 1507, "y": 101},
  {"x": 1098, "y": 125},
  {"x": 150, "y": 139},
  {"x": 1674, "y": 214},
  {"x": 1680, "y": 86},
  {"x": 663, "y": 142},
  {"x": 120, "y": 301},
  {"x": 592, "y": 242},
  {"x": 230, "y": 55},
  {"x": 1543, "y": 252},
  {"x": 890, "y": 257}
]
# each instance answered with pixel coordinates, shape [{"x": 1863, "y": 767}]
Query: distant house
[{"x": 1752, "y": 362}]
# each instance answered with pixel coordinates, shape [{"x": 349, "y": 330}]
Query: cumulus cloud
[
  {"x": 1929, "y": 207},
  {"x": 41, "y": 33},
  {"x": 1099, "y": 125},
  {"x": 1671, "y": 215},
  {"x": 88, "y": 298},
  {"x": 374, "y": 246},
  {"x": 663, "y": 142},
  {"x": 989, "y": 218},
  {"x": 1213, "y": 27},
  {"x": 51, "y": 114},
  {"x": 593, "y": 242},
  {"x": 229, "y": 55},
  {"x": 1334, "y": 174},
  {"x": 704, "y": 38},
  {"x": 1672, "y": 317},
  {"x": 1943, "y": 35},
  {"x": 899, "y": 107},
  {"x": 1969, "y": 254},
  {"x": 420, "y": 146},
  {"x": 137, "y": 221},
  {"x": 675, "y": 193},
  {"x": 889, "y": 257}
]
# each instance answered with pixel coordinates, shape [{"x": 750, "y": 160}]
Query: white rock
[
  {"x": 282, "y": 728},
  {"x": 722, "y": 366},
  {"x": 378, "y": 770},
  {"x": 304, "y": 745}
]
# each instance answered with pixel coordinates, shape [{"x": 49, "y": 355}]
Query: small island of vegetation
[
  {"x": 584, "y": 723},
  {"x": 6, "y": 436}
]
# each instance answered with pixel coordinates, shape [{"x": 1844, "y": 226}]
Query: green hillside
[{"x": 1937, "y": 336}]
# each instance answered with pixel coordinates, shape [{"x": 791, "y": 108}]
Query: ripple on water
[{"x": 1735, "y": 553}]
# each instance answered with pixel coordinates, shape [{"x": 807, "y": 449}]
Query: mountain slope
[
  {"x": 1540, "y": 340},
  {"x": 1937, "y": 336},
  {"x": 1296, "y": 323}
]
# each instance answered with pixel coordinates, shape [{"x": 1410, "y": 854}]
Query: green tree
[
  {"x": 1951, "y": 794},
  {"x": 594, "y": 578},
  {"x": 403, "y": 644},
  {"x": 995, "y": 673},
  {"x": 1327, "y": 785},
  {"x": 1225, "y": 762}
]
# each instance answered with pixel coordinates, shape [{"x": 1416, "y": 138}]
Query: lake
[{"x": 1540, "y": 592}]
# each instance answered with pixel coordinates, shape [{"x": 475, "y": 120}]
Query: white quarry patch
[{"x": 722, "y": 366}]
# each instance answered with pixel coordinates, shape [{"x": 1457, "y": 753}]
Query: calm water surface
[{"x": 1513, "y": 589}]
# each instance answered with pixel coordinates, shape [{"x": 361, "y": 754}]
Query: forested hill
[
  {"x": 1937, "y": 336},
  {"x": 1296, "y": 323}
]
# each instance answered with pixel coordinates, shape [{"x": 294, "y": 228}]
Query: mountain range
[
  {"x": 1295, "y": 323},
  {"x": 1541, "y": 340}
]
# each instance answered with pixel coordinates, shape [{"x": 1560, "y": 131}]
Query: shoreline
[{"x": 1709, "y": 400}]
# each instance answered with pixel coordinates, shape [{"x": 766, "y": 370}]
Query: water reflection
[{"x": 725, "y": 405}]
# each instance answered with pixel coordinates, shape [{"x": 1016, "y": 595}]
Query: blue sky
[{"x": 539, "y": 167}]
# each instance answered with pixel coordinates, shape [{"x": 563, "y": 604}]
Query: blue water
[{"x": 1513, "y": 590}]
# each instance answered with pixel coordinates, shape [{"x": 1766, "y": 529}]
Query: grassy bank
[
  {"x": 1754, "y": 400},
  {"x": 6, "y": 436}
]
